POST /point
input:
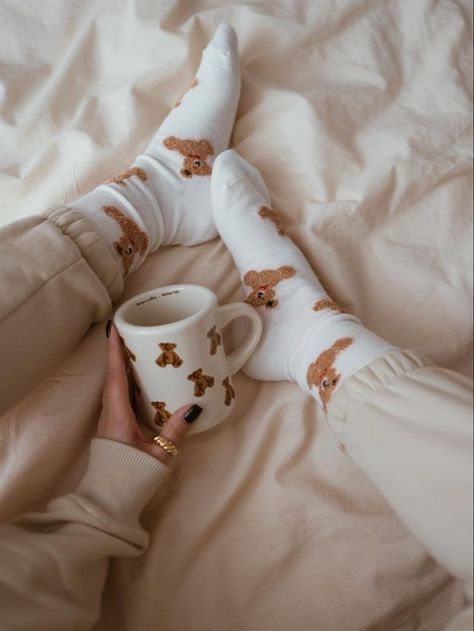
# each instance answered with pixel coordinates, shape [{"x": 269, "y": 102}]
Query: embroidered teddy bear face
[
  {"x": 263, "y": 284},
  {"x": 133, "y": 241},
  {"x": 321, "y": 373},
  {"x": 195, "y": 154},
  {"x": 126, "y": 250},
  {"x": 327, "y": 384}
]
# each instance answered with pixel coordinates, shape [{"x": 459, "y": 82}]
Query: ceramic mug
[{"x": 173, "y": 340}]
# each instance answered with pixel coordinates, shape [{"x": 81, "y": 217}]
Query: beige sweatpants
[{"x": 407, "y": 424}]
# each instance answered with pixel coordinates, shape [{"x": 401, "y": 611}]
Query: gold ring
[{"x": 166, "y": 444}]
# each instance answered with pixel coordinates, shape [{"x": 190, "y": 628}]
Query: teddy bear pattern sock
[
  {"x": 164, "y": 197},
  {"x": 307, "y": 337}
]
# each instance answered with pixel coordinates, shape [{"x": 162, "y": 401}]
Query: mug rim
[{"x": 119, "y": 319}]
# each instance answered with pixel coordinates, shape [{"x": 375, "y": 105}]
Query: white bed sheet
[{"x": 358, "y": 115}]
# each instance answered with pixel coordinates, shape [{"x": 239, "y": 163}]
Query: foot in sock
[
  {"x": 307, "y": 338},
  {"x": 164, "y": 197}
]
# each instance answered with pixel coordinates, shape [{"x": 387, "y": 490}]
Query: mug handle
[{"x": 230, "y": 312}]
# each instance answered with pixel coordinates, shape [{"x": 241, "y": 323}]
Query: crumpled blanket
[{"x": 358, "y": 115}]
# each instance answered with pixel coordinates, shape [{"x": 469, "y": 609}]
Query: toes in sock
[
  {"x": 164, "y": 197},
  {"x": 307, "y": 338}
]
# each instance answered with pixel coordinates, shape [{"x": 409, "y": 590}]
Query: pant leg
[
  {"x": 57, "y": 276},
  {"x": 408, "y": 425}
]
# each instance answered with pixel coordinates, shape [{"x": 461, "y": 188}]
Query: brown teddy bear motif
[
  {"x": 215, "y": 339},
  {"x": 194, "y": 83},
  {"x": 263, "y": 284},
  {"x": 168, "y": 357},
  {"x": 327, "y": 303},
  {"x": 195, "y": 154},
  {"x": 133, "y": 240},
  {"x": 322, "y": 375},
  {"x": 269, "y": 213},
  {"x": 201, "y": 382},
  {"x": 162, "y": 414},
  {"x": 229, "y": 391},
  {"x": 121, "y": 177}
]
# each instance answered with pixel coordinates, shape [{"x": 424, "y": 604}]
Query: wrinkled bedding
[{"x": 358, "y": 114}]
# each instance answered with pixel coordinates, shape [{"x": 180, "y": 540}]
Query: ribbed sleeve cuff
[{"x": 120, "y": 479}]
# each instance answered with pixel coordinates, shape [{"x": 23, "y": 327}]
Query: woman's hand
[{"x": 117, "y": 420}]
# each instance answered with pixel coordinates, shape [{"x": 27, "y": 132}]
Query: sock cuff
[
  {"x": 335, "y": 348},
  {"x": 365, "y": 383},
  {"x": 140, "y": 206},
  {"x": 92, "y": 246}
]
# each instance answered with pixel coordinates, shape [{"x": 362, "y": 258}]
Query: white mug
[{"x": 173, "y": 339}]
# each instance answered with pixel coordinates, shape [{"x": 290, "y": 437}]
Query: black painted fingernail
[
  {"x": 108, "y": 328},
  {"x": 192, "y": 414}
]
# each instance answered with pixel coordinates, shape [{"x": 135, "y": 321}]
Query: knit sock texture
[
  {"x": 164, "y": 196},
  {"x": 307, "y": 337}
]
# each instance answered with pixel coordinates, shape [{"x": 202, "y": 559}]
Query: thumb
[{"x": 175, "y": 429}]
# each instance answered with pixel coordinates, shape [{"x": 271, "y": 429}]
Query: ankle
[
  {"x": 308, "y": 341},
  {"x": 330, "y": 351}
]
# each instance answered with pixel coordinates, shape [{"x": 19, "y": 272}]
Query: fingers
[
  {"x": 117, "y": 420},
  {"x": 116, "y": 368},
  {"x": 175, "y": 429}
]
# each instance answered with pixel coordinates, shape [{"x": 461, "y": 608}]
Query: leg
[
  {"x": 406, "y": 424},
  {"x": 60, "y": 272},
  {"x": 57, "y": 277},
  {"x": 164, "y": 197}
]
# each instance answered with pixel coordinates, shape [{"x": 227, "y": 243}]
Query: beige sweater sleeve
[{"x": 53, "y": 565}]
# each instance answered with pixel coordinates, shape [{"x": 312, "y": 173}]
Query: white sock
[
  {"x": 306, "y": 338},
  {"x": 164, "y": 198}
]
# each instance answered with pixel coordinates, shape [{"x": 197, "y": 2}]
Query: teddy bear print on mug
[
  {"x": 162, "y": 414},
  {"x": 201, "y": 382},
  {"x": 168, "y": 356},
  {"x": 263, "y": 285},
  {"x": 215, "y": 339},
  {"x": 321, "y": 372},
  {"x": 229, "y": 391},
  {"x": 195, "y": 154}
]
